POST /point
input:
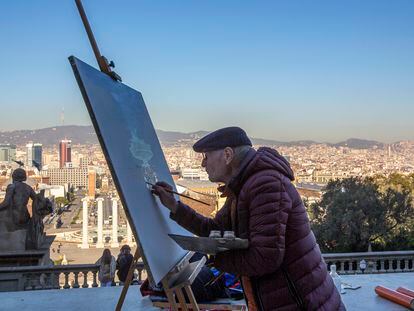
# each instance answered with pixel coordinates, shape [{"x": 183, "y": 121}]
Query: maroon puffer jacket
[{"x": 270, "y": 213}]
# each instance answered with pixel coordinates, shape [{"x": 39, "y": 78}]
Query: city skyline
[
  {"x": 323, "y": 71},
  {"x": 164, "y": 138}
]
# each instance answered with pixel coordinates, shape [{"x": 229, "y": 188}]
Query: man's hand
[{"x": 161, "y": 189}]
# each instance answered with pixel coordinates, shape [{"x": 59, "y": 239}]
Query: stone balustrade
[
  {"x": 57, "y": 277},
  {"x": 83, "y": 276},
  {"x": 375, "y": 262}
]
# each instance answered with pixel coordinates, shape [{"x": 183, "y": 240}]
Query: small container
[
  {"x": 336, "y": 279},
  {"x": 229, "y": 235},
  {"x": 215, "y": 234}
]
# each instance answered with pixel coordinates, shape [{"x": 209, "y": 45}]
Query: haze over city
[{"x": 322, "y": 70}]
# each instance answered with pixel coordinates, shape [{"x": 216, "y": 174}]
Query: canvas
[{"x": 134, "y": 156}]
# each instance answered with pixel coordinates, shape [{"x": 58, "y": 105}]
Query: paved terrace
[{"x": 105, "y": 299}]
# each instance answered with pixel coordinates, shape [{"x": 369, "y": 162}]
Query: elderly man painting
[{"x": 283, "y": 268}]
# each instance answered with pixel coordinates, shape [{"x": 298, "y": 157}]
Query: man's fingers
[
  {"x": 159, "y": 190},
  {"x": 164, "y": 185}
]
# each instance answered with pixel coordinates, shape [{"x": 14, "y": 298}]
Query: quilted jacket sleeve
[
  {"x": 198, "y": 224},
  {"x": 268, "y": 205}
]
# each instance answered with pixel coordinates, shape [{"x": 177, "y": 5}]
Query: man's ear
[{"x": 228, "y": 155}]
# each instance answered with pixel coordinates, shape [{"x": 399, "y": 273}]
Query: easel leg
[
  {"x": 170, "y": 296},
  {"x": 127, "y": 281},
  {"x": 181, "y": 299},
  {"x": 191, "y": 297}
]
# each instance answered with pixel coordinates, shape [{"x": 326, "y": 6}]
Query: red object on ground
[
  {"x": 406, "y": 291},
  {"x": 394, "y": 296}
]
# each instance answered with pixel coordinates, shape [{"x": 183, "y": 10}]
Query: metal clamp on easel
[{"x": 103, "y": 63}]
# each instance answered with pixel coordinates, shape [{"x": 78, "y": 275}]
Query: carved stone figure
[
  {"x": 19, "y": 231},
  {"x": 41, "y": 207},
  {"x": 15, "y": 215}
]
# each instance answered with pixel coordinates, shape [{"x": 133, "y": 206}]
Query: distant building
[
  {"x": 190, "y": 173},
  {"x": 76, "y": 177},
  {"x": 175, "y": 174},
  {"x": 105, "y": 183},
  {"x": 29, "y": 154},
  {"x": 34, "y": 152},
  {"x": 65, "y": 148},
  {"x": 203, "y": 190},
  {"x": 194, "y": 173},
  {"x": 84, "y": 162},
  {"x": 7, "y": 152},
  {"x": 55, "y": 191},
  {"x": 91, "y": 183}
]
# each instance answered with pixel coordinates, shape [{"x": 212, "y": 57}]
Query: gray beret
[{"x": 226, "y": 137}]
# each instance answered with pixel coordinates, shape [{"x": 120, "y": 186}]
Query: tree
[
  {"x": 400, "y": 222},
  {"x": 353, "y": 213},
  {"x": 61, "y": 202},
  {"x": 395, "y": 181}
]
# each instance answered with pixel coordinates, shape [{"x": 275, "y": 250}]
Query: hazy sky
[{"x": 285, "y": 70}]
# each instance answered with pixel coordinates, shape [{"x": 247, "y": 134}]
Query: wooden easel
[
  {"x": 103, "y": 63},
  {"x": 128, "y": 280},
  {"x": 178, "y": 281}
]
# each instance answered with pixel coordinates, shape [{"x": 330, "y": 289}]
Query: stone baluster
[
  {"x": 382, "y": 266},
  {"x": 54, "y": 279},
  {"x": 76, "y": 283},
  {"x": 390, "y": 265},
  {"x": 85, "y": 279},
  {"x": 406, "y": 268},
  {"x": 66, "y": 286},
  {"x": 372, "y": 266},
  {"x": 351, "y": 266},
  {"x": 399, "y": 265},
  {"x": 49, "y": 280},
  {"x": 28, "y": 281},
  {"x": 95, "y": 283},
  {"x": 140, "y": 269},
  {"x": 43, "y": 281},
  {"x": 342, "y": 267}
]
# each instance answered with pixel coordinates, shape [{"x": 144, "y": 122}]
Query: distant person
[
  {"x": 107, "y": 268},
  {"x": 123, "y": 263},
  {"x": 283, "y": 268}
]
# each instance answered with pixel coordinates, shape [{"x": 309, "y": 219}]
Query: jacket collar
[{"x": 235, "y": 184}]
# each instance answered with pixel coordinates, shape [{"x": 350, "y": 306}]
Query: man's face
[{"x": 215, "y": 164}]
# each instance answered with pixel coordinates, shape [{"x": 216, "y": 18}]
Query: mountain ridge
[{"x": 85, "y": 134}]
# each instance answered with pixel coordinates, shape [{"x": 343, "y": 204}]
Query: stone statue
[
  {"x": 15, "y": 215},
  {"x": 17, "y": 229},
  {"x": 41, "y": 207}
]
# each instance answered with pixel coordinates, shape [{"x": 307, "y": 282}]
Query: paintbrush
[
  {"x": 214, "y": 280},
  {"x": 181, "y": 195}
]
